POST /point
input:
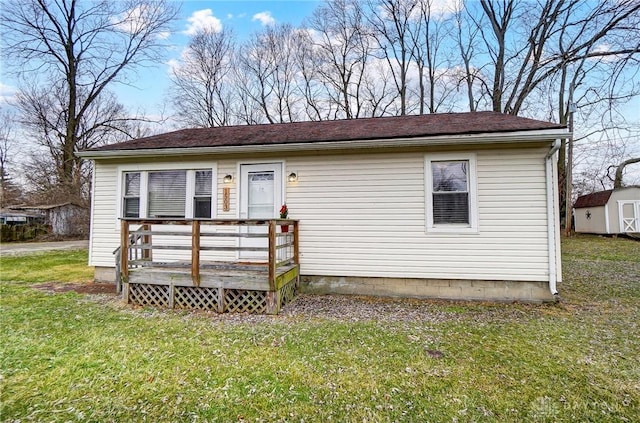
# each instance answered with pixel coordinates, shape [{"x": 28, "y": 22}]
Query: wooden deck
[{"x": 201, "y": 264}]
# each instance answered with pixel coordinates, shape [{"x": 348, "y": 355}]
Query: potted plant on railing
[{"x": 284, "y": 212}]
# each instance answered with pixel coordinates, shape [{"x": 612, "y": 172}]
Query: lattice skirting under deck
[{"x": 216, "y": 299}]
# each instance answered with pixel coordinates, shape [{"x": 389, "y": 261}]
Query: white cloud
[
  {"x": 173, "y": 65},
  {"x": 265, "y": 18},
  {"x": 202, "y": 20},
  {"x": 442, "y": 8},
  {"x": 133, "y": 20},
  {"x": 7, "y": 94}
]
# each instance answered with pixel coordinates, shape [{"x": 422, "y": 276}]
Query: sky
[
  {"x": 148, "y": 91},
  {"x": 244, "y": 17}
]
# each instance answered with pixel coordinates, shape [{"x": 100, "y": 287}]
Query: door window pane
[{"x": 261, "y": 195}]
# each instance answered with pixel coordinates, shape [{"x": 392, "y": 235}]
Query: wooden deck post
[
  {"x": 296, "y": 243},
  {"x": 146, "y": 242},
  {"x": 273, "y": 258},
  {"x": 195, "y": 252},
  {"x": 124, "y": 250}
]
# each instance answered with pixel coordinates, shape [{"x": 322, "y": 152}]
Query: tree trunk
[{"x": 617, "y": 183}]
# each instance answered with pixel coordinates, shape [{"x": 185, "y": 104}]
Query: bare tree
[
  {"x": 44, "y": 113},
  {"x": 310, "y": 83},
  {"x": 77, "y": 50},
  {"x": 467, "y": 34},
  {"x": 391, "y": 22},
  {"x": 269, "y": 62},
  {"x": 549, "y": 55},
  {"x": 344, "y": 48},
  {"x": 202, "y": 91},
  {"x": 436, "y": 78},
  {"x": 617, "y": 183},
  {"x": 10, "y": 192}
]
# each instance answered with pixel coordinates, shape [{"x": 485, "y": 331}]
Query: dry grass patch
[{"x": 67, "y": 357}]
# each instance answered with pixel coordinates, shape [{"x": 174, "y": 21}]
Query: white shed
[{"x": 609, "y": 212}]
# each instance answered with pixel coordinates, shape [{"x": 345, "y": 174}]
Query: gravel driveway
[{"x": 17, "y": 248}]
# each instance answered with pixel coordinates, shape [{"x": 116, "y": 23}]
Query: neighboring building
[
  {"x": 609, "y": 212},
  {"x": 64, "y": 219},
  {"x": 457, "y": 206},
  {"x": 11, "y": 216}
]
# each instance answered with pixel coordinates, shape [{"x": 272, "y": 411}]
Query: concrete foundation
[
  {"x": 478, "y": 290},
  {"x": 449, "y": 289},
  {"x": 104, "y": 274}
]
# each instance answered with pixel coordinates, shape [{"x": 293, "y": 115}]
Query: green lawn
[{"x": 72, "y": 357}]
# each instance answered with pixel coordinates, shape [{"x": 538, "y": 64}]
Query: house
[
  {"x": 614, "y": 211},
  {"x": 11, "y": 216},
  {"x": 18, "y": 225},
  {"x": 454, "y": 206}
]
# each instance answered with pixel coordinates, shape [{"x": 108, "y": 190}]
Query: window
[
  {"x": 450, "y": 193},
  {"x": 131, "y": 200},
  {"x": 202, "y": 195},
  {"x": 168, "y": 193}
]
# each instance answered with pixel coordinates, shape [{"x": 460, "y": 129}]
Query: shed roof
[
  {"x": 337, "y": 130},
  {"x": 594, "y": 199},
  {"x": 49, "y": 206}
]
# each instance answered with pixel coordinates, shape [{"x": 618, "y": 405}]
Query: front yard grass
[{"x": 70, "y": 357}]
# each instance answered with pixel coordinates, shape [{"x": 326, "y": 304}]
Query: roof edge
[{"x": 439, "y": 140}]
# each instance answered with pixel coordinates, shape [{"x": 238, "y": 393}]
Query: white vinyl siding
[
  {"x": 364, "y": 215},
  {"x": 105, "y": 234}
]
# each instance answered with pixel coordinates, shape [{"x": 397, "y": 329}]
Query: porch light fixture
[
  {"x": 293, "y": 177},
  {"x": 227, "y": 179}
]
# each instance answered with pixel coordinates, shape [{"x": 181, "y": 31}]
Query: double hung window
[
  {"x": 202, "y": 194},
  {"x": 131, "y": 198},
  {"x": 450, "y": 193}
]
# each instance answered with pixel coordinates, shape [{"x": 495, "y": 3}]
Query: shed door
[
  {"x": 629, "y": 212},
  {"x": 260, "y": 198}
]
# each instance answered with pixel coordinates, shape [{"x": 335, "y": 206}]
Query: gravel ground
[
  {"x": 346, "y": 308},
  {"x": 17, "y": 248}
]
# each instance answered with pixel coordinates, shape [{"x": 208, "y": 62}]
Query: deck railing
[{"x": 213, "y": 242}]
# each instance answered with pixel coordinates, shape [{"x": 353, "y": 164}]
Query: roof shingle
[
  {"x": 337, "y": 130},
  {"x": 595, "y": 199}
]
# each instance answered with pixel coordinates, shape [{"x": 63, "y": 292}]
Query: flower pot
[{"x": 284, "y": 228}]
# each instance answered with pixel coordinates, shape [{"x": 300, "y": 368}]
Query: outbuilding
[
  {"x": 455, "y": 206},
  {"x": 613, "y": 211}
]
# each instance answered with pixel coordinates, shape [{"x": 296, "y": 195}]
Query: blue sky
[{"x": 150, "y": 86}]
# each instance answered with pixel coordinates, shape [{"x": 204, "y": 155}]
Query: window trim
[
  {"x": 144, "y": 169},
  {"x": 453, "y": 228}
]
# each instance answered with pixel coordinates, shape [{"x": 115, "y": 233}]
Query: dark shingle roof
[
  {"x": 595, "y": 199},
  {"x": 337, "y": 130}
]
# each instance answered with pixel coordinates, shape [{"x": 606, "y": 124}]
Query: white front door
[{"x": 261, "y": 197}]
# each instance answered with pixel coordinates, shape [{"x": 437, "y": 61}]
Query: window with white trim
[
  {"x": 451, "y": 193},
  {"x": 131, "y": 197},
  {"x": 168, "y": 194},
  {"x": 202, "y": 194}
]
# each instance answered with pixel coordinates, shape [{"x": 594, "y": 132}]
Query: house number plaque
[{"x": 226, "y": 199}]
